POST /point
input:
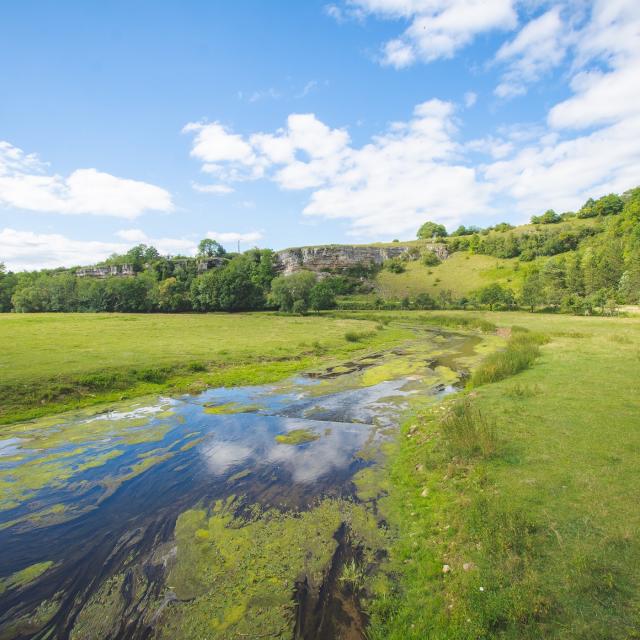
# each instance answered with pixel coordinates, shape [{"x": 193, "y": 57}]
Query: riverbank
[{"x": 536, "y": 536}]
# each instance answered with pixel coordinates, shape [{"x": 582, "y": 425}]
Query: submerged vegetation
[{"x": 297, "y": 436}]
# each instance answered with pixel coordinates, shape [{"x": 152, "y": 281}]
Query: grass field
[
  {"x": 461, "y": 274},
  {"x": 539, "y": 539},
  {"x": 53, "y": 362},
  {"x": 514, "y": 515}
]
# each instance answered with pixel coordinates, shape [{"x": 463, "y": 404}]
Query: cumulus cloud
[
  {"x": 563, "y": 167},
  {"x": 21, "y": 250},
  {"x": 437, "y": 28},
  {"x": 26, "y": 184},
  {"x": 540, "y": 46},
  {"x": 412, "y": 170}
]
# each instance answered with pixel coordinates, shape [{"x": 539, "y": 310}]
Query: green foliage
[
  {"x": 548, "y": 217},
  {"x": 465, "y": 231},
  {"x": 608, "y": 205},
  {"x": 292, "y": 293},
  {"x": 322, "y": 296},
  {"x": 395, "y": 265},
  {"x": 208, "y": 248},
  {"x": 432, "y": 229},
  {"x": 494, "y": 294},
  {"x": 430, "y": 259},
  {"x": 241, "y": 285}
]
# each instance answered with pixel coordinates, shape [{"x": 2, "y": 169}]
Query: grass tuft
[
  {"x": 520, "y": 353},
  {"x": 467, "y": 432}
]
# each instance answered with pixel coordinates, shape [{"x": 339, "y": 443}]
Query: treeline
[{"x": 242, "y": 282}]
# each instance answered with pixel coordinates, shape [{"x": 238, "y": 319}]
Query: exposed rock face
[
  {"x": 104, "y": 272},
  {"x": 336, "y": 258}
]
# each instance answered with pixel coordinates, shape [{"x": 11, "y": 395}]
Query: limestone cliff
[{"x": 336, "y": 258}]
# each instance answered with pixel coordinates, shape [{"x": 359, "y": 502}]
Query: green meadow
[
  {"x": 514, "y": 506},
  {"x": 55, "y": 362}
]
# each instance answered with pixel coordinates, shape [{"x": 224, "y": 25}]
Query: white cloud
[
  {"x": 437, "y": 29},
  {"x": 21, "y": 250},
  {"x": 166, "y": 246},
  {"x": 470, "y": 98},
  {"x": 132, "y": 235},
  {"x": 25, "y": 184},
  {"x": 220, "y": 189},
  {"x": 412, "y": 170},
  {"x": 561, "y": 169},
  {"x": 224, "y": 153},
  {"x": 231, "y": 237},
  {"x": 539, "y": 46}
]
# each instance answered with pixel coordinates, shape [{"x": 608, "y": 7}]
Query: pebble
[
  {"x": 446, "y": 569},
  {"x": 467, "y": 566},
  {"x": 425, "y": 492}
]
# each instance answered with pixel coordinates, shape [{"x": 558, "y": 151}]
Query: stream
[{"x": 91, "y": 503}]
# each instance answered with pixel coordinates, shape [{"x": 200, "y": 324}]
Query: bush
[
  {"x": 467, "y": 432},
  {"x": 395, "y": 265},
  {"x": 430, "y": 259}
]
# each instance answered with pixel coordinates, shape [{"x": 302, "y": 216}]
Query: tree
[
  {"x": 209, "y": 248},
  {"x": 321, "y": 297},
  {"x": 432, "y": 230},
  {"x": 548, "y": 217},
  {"x": 424, "y": 301},
  {"x": 286, "y": 290},
  {"x": 532, "y": 290},
  {"x": 8, "y": 283},
  {"x": 493, "y": 294}
]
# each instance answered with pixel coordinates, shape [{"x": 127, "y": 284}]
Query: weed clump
[
  {"x": 520, "y": 353},
  {"x": 467, "y": 431},
  {"x": 356, "y": 336}
]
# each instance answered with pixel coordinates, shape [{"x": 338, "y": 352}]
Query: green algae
[
  {"x": 24, "y": 576},
  {"x": 229, "y": 408},
  {"x": 296, "y": 436},
  {"x": 235, "y": 578}
]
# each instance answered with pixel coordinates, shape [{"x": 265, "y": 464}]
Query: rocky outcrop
[
  {"x": 106, "y": 271},
  {"x": 340, "y": 258}
]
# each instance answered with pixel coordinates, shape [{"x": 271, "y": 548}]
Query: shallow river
[{"x": 89, "y": 502}]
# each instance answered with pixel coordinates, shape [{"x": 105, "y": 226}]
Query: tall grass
[
  {"x": 520, "y": 353},
  {"x": 467, "y": 431}
]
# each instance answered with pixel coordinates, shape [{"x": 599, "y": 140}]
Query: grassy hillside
[
  {"x": 538, "y": 538},
  {"x": 461, "y": 274}
]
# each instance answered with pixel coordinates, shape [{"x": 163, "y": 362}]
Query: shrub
[
  {"x": 467, "y": 432},
  {"x": 430, "y": 259},
  {"x": 395, "y": 265}
]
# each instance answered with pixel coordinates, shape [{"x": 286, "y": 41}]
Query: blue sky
[{"x": 287, "y": 123}]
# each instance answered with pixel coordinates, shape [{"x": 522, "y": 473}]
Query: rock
[
  {"x": 425, "y": 492},
  {"x": 468, "y": 566},
  {"x": 446, "y": 568},
  {"x": 419, "y": 468},
  {"x": 332, "y": 258}
]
